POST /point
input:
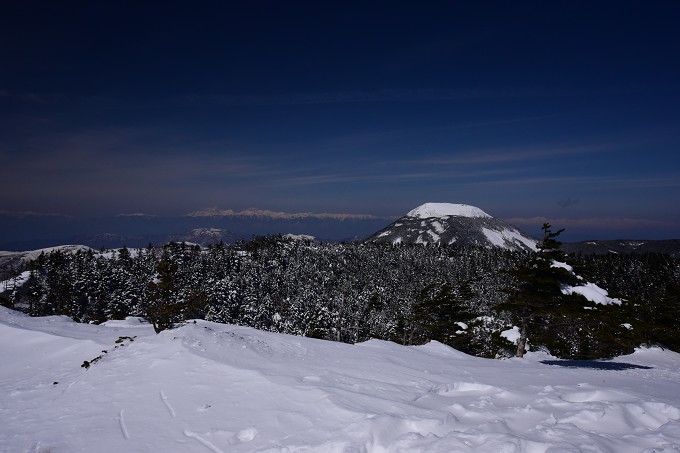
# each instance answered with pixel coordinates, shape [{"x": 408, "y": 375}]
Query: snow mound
[{"x": 442, "y": 210}]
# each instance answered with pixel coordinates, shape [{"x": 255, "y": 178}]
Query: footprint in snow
[
  {"x": 465, "y": 388},
  {"x": 247, "y": 434}
]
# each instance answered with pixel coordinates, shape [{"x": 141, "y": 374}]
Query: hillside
[{"x": 208, "y": 387}]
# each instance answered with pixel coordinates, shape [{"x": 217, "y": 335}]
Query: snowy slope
[
  {"x": 209, "y": 387},
  {"x": 449, "y": 223}
]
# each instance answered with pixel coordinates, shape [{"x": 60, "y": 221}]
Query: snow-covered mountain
[
  {"x": 205, "y": 236},
  {"x": 10, "y": 261},
  {"x": 448, "y": 223}
]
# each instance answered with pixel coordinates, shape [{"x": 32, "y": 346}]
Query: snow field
[
  {"x": 208, "y": 387},
  {"x": 429, "y": 210}
]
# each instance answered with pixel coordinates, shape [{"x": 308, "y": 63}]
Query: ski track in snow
[
  {"x": 206, "y": 443},
  {"x": 167, "y": 404},
  {"x": 123, "y": 428}
]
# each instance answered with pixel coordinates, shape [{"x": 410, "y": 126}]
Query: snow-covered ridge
[
  {"x": 34, "y": 254},
  {"x": 440, "y": 210}
]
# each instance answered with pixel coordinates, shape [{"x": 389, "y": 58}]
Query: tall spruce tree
[{"x": 538, "y": 294}]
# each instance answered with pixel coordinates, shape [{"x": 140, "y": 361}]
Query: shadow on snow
[{"x": 616, "y": 366}]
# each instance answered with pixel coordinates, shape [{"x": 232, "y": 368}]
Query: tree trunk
[{"x": 522, "y": 341}]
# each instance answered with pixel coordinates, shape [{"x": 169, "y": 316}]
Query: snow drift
[{"x": 208, "y": 387}]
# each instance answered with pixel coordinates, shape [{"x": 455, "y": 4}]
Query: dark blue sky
[{"x": 566, "y": 111}]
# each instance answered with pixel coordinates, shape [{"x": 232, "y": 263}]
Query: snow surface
[
  {"x": 505, "y": 238},
  {"x": 561, "y": 265},
  {"x": 212, "y": 388},
  {"x": 438, "y": 227},
  {"x": 443, "y": 210},
  {"x": 512, "y": 335},
  {"x": 593, "y": 293}
]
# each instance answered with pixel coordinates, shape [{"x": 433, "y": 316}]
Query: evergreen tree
[
  {"x": 163, "y": 309},
  {"x": 538, "y": 294},
  {"x": 440, "y": 315}
]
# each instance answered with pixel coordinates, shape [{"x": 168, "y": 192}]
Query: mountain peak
[
  {"x": 448, "y": 223},
  {"x": 443, "y": 210}
]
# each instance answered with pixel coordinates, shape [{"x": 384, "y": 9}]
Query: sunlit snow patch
[
  {"x": 429, "y": 210},
  {"x": 593, "y": 293},
  {"x": 506, "y": 238}
]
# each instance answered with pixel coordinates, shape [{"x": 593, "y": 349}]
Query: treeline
[{"x": 340, "y": 292}]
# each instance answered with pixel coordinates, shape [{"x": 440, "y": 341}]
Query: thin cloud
[
  {"x": 394, "y": 176},
  {"x": 127, "y": 169},
  {"x": 344, "y": 97},
  {"x": 592, "y": 181},
  {"x": 28, "y": 214},
  {"x": 507, "y": 155}
]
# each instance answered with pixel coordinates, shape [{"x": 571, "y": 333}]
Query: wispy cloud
[
  {"x": 631, "y": 182},
  {"x": 342, "y": 97},
  {"x": 389, "y": 176},
  {"x": 509, "y": 154},
  {"x": 131, "y": 168},
  {"x": 29, "y": 214}
]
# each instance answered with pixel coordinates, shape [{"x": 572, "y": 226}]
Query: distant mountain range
[
  {"x": 431, "y": 223},
  {"x": 623, "y": 246},
  {"x": 202, "y": 227}
]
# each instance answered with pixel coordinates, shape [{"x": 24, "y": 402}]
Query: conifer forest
[{"x": 352, "y": 292}]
